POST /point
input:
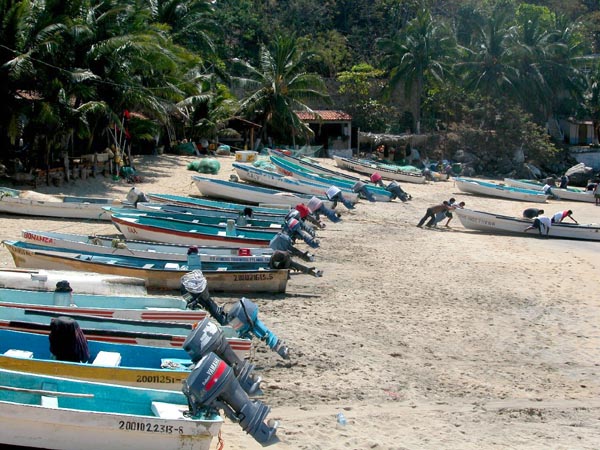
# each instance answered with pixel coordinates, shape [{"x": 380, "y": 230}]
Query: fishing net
[{"x": 205, "y": 165}]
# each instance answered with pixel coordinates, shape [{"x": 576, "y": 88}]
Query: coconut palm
[
  {"x": 420, "y": 53},
  {"x": 279, "y": 87}
]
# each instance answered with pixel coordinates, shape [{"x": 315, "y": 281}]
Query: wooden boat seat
[
  {"x": 49, "y": 402},
  {"x": 148, "y": 266},
  {"x": 19, "y": 353},
  {"x": 172, "y": 266},
  {"x": 107, "y": 359},
  {"x": 169, "y": 410}
]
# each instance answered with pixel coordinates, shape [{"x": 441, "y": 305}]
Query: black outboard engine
[
  {"x": 134, "y": 196},
  {"x": 195, "y": 290},
  {"x": 67, "y": 341},
  {"x": 316, "y": 206},
  {"x": 334, "y": 194},
  {"x": 212, "y": 383},
  {"x": 283, "y": 260},
  {"x": 361, "y": 189},
  {"x": 283, "y": 242},
  {"x": 397, "y": 192},
  {"x": 242, "y": 317},
  {"x": 293, "y": 228},
  {"x": 207, "y": 338},
  {"x": 394, "y": 188}
]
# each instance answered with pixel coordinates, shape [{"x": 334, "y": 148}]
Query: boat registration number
[{"x": 133, "y": 425}]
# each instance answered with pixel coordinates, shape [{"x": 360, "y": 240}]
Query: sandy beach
[{"x": 424, "y": 339}]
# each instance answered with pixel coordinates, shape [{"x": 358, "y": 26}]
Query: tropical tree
[
  {"x": 422, "y": 52},
  {"x": 279, "y": 87}
]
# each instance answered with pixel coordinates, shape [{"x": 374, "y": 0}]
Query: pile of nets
[{"x": 205, "y": 165}]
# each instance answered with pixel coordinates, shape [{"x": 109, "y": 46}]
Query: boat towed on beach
[{"x": 497, "y": 223}]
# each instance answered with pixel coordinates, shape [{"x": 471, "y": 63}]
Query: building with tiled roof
[{"x": 333, "y": 130}]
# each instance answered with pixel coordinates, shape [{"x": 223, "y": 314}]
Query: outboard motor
[
  {"x": 243, "y": 217},
  {"x": 195, "y": 292},
  {"x": 243, "y": 318},
  {"x": 397, "y": 191},
  {"x": 361, "y": 188},
  {"x": 295, "y": 214},
  {"x": 193, "y": 258},
  {"x": 394, "y": 188},
  {"x": 334, "y": 194},
  {"x": 283, "y": 260},
  {"x": 283, "y": 242},
  {"x": 294, "y": 229},
  {"x": 212, "y": 384},
  {"x": 63, "y": 294},
  {"x": 134, "y": 196},
  {"x": 308, "y": 216},
  {"x": 316, "y": 206},
  {"x": 207, "y": 338}
]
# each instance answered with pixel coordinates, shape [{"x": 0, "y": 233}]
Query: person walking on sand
[
  {"x": 561, "y": 215},
  {"x": 532, "y": 213},
  {"x": 431, "y": 213},
  {"x": 542, "y": 224}
]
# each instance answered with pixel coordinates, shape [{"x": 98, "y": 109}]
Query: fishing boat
[
  {"x": 31, "y": 203},
  {"x": 240, "y": 222},
  {"x": 125, "y": 364},
  {"x": 479, "y": 187},
  {"x": 189, "y": 233},
  {"x": 40, "y": 411},
  {"x": 149, "y": 307},
  {"x": 205, "y": 203},
  {"x": 303, "y": 172},
  {"x": 118, "y": 245},
  {"x": 158, "y": 275},
  {"x": 83, "y": 282},
  {"x": 275, "y": 180},
  {"x": 248, "y": 193},
  {"x": 496, "y": 223},
  {"x": 223, "y": 214},
  {"x": 387, "y": 171},
  {"x": 577, "y": 195},
  {"x": 123, "y": 331}
]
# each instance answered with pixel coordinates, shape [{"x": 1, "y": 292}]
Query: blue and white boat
[
  {"x": 197, "y": 202},
  {"x": 248, "y": 193},
  {"x": 116, "y": 245},
  {"x": 486, "y": 188},
  {"x": 275, "y": 180},
  {"x": 303, "y": 172},
  {"x": 40, "y": 411}
]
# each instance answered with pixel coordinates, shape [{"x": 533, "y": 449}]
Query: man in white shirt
[{"x": 542, "y": 223}]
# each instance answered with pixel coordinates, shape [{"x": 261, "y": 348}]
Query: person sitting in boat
[
  {"x": 562, "y": 215},
  {"x": 532, "y": 213},
  {"x": 542, "y": 224},
  {"x": 67, "y": 341},
  {"x": 564, "y": 181},
  {"x": 547, "y": 189},
  {"x": 591, "y": 186}
]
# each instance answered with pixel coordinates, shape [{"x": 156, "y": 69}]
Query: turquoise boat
[
  {"x": 126, "y": 364},
  {"x": 152, "y": 308},
  {"x": 290, "y": 168},
  {"x": 240, "y": 222},
  {"x": 206, "y": 212},
  {"x": 158, "y": 275},
  {"x": 40, "y": 411},
  {"x": 163, "y": 230},
  {"x": 197, "y": 202},
  {"x": 122, "y": 331}
]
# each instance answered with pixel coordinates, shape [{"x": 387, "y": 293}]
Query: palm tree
[
  {"x": 279, "y": 87},
  {"x": 420, "y": 53}
]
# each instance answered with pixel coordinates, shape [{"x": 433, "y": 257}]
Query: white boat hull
[
  {"x": 70, "y": 429},
  {"x": 482, "y": 221},
  {"x": 562, "y": 194},
  {"x": 357, "y": 166},
  {"x": 245, "y": 194},
  {"x": 500, "y": 191},
  {"x": 81, "y": 282}
]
